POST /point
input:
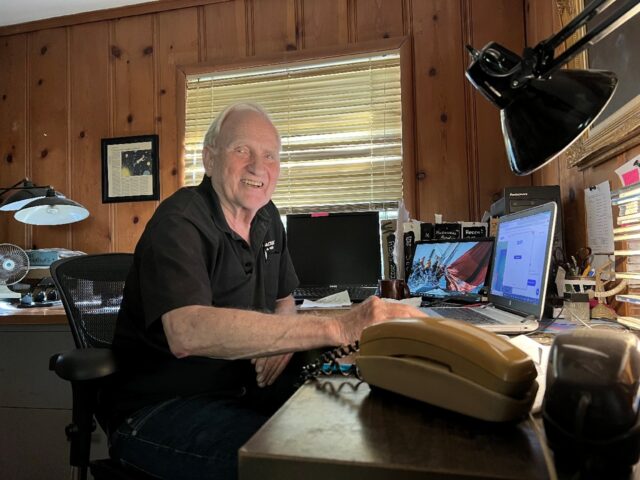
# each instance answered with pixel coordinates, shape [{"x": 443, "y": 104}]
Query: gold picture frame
[{"x": 617, "y": 133}]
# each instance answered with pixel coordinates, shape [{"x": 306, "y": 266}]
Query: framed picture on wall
[
  {"x": 130, "y": 169},
  {"x": 617, "y": 129}
]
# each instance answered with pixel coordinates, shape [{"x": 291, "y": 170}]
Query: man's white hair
[{"x": 216, "y": 125}]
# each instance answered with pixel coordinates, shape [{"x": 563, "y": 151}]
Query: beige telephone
[{"x": 450, "y": 364}]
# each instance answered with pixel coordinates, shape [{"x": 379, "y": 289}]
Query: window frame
[{"x": 401, "y": 44}]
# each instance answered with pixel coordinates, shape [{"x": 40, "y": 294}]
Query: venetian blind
[{"x": 340, "y": 123}]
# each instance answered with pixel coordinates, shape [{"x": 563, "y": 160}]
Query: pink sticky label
[
  {"x": 632, "y": 176},
  {"x": 320, "y": 214}
]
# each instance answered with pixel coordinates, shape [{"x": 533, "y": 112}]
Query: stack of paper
[{"x": 337, "y": 300}]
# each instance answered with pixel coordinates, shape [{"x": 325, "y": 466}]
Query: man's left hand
[{"x": 270, "y": 368}]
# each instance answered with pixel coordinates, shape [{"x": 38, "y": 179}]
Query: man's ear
[{"x": 207, "y": 160}]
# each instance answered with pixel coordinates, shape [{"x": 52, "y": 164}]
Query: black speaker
[{"x": 592, "y": 401}]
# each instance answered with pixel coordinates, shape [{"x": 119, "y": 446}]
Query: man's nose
[{"x": 256, "y": 164}]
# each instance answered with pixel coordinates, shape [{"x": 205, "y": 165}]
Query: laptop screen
[
  {"x": 521, "y": 259},
  {"x": 450, "y": 268},
  {"x": 335, "y": 249}
]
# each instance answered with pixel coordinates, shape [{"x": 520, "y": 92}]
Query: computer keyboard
[
  {"x": 356, "y": 294},
  {"x": 467, "y": 314}
]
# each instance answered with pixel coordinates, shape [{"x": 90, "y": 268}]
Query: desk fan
[{"x": 14, "y": 265}]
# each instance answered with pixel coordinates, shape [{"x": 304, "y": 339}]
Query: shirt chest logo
[{"x": 268, "y": 247}]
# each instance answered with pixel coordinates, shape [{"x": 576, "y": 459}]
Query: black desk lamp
[
  {"x": 41, "y": 205},
  {"x": 543, "y": 109}
]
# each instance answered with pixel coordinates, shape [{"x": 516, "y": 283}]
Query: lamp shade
[
  {"x": 51, "y": 210},
  {"x": 546, "y": 116}
]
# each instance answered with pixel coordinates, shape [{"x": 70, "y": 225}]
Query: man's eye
[{"x": 242, "y": 150}]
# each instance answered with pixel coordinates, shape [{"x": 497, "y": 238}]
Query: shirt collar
[
  {"x": 213, "y": 202},
  {"x": 259, "y": 224}
]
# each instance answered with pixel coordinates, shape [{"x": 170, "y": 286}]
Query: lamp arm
[
  {"x": 546, "y": 64},
  {"x": 578, "y": 21},
  {"x": 4, "y": 190},
  {"x": 27, "y": 184}
]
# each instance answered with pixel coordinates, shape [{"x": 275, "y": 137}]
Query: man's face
[{"x": 244, "y": 165}]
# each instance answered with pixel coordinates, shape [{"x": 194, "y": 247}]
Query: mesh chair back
[{"x": 90, "y": 287}]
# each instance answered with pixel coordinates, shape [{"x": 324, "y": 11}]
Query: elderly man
[{"x": 208, "y": 322}]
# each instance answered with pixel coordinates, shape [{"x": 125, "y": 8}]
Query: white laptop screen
[{"x": 521, "y": 259}]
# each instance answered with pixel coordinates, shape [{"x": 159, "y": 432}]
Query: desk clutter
[
  {"x": 585, "y": 386},
  {"x": 24, "y": 275},
  {"x": 414, "y": 231}
]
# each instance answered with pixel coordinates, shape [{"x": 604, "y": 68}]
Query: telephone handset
[{"x": 451, "y": 364}]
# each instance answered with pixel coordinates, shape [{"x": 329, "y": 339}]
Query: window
[{"x": 340, "y": 123}]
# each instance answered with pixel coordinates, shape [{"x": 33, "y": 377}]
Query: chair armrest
[{"x": 83, "y": 364}]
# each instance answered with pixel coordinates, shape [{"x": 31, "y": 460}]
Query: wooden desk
[
  {"x": 35, "y": 405},
  {"x": 339, "y": 432},
  {"x": 11, "y": 315}
]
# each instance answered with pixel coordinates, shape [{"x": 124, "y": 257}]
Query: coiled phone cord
[{"x": 327, "y": 363}]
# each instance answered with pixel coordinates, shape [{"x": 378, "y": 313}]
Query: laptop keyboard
[
  {"x": 467, "y": 314},
  {"x": 356, "y": 294}
]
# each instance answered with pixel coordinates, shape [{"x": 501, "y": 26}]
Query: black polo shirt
[{"x": 188, "y": 255}]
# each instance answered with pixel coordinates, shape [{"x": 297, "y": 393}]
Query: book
[
  {"x": 411, "y": 236},
  {"x": 388, "y": 239},
  {"x": 447, "y": 231},
  {"x": 426, "y": 231},
  {"x": 474, "y": 230}
]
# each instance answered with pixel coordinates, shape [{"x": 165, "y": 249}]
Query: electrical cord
[{"x": 544, "y": 324}]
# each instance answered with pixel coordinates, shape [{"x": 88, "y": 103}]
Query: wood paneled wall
[{"x": 65, "y": 84}]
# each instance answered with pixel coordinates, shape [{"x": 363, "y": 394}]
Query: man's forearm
[{"x": 230, "y": 333}]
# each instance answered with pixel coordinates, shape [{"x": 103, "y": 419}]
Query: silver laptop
[{"x": 519, "y": 274}]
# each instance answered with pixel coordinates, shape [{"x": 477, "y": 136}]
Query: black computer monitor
[{"x": 335, "y": 248}]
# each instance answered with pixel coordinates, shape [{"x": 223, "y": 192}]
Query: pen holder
[
  {"x": 576, "y": 307},
  {"x": 578, "y": 284}
]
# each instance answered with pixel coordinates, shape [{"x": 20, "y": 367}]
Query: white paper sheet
[
  {"x": 540, "y": 355},
  {"x": 599, "y": 218},
  {"x": 412, "y": 301},
  {"x": 337, "y": 300}
]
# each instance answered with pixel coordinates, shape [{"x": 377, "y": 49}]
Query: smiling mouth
[{"x": 252, "y": 183}]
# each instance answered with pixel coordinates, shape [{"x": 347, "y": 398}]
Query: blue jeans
[{"x": 187, "y": 438}]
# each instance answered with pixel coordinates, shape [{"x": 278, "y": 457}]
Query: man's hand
[
  {"x": 372, "y": 311},
  {"x": 270, "y": 368}
]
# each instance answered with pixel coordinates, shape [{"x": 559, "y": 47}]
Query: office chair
[{"x": 90, "y": 287}]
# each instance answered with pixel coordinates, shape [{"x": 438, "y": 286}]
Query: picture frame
[
  {"x": 130, "y": 169},
  {"x": 615, "y": 130}
]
